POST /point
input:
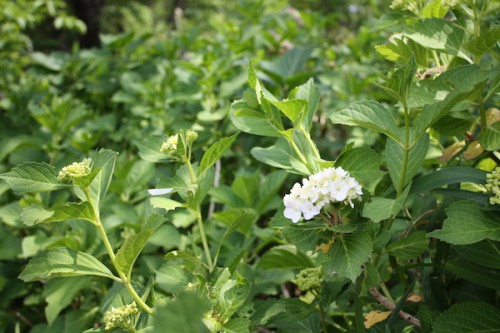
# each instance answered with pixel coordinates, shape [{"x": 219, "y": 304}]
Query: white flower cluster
[
  {"x": 122, "y": 317},
  {"x": 327, "y": 186},
  {"x": 76, "y": 170}
]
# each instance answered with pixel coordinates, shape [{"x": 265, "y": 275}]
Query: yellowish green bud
[{"x": 76, "y": 170}]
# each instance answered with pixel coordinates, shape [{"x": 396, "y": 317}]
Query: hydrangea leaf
[
  {"x": 33, "y": 177},
  {"x": 63, "y": 262},
  {"x": 467, "y": 223},
  {"x": 468, "y": 317},
  {"x": 368, "y": 114},
  {"x": 349, "y": 253}
]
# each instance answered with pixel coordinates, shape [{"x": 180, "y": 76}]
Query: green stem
[
  {"x": 300, "y": 155},
  {"x": 192, "y": 176},
  {"x": 204, "y": 240},
  {"x": 134, "y": 294},
  {"x": 386, "y": 292},
  {"x": 322, "y": 318},
  {"x": 359, "y": 319},
  {"x": 123, "y": 279},
  {"x": 312, "y": 145},
  {"x": 436, "y": 58}
]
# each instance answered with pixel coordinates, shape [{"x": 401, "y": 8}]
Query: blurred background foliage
[{"x": 79, "y": 75}]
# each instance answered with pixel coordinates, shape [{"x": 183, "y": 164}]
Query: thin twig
[{"x": 381, "y": 299}]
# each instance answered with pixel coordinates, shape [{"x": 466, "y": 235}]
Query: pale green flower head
[
  {"x": 191, "y": 136},
  {"x": 169, "y": 147},
  {"x": 178, "y": 145},
  {"x": 309, "y": 278},
  {"x": 76, "y": 170},
  {"x": 122, "y": 317},
  {"x": 493, "y": 186}
]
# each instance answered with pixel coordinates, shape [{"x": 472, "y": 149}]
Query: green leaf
[
  {"x": 437, "y": 34},
  {"x": 234, "y": 226},
  {"x": 289, "y": 64},
  {"x": 362, "y": 163},
  {"x": 172, "y": 278},
  {"x": 59, "y": 293},
  {"x": 33, "y": 177},
  {"x": 468, "y": 317},
  {"x": 165, "y": 203},
  {"x": 447, "y": 176},
  {"x": 280, "y": 156},
  {"x": 474, "y": 273},
  {"x": 399, "y": 81},
  {"x": 489, "y": 138},
  {"x": 349, "y": 253},
  {"x": 479, "y": 45},
  {"x": 368, "y": 114},
  {"x": 35, "y": 214},
  {"x": 185, "y": 312},
  {"x": 485, "y": 253},
  {"x": 409, "y": 247},
  {"x": 394, "y": 154},
  {"x": 371, "y": 278},
  {"x": 284, "y": 257},
  {"x": 310, "y": 93},
  {"x": 379, "y": 209},
  {"x": 293, "y": 109},
  {"x": 434, "y": 9},
  {"x": 253, "y": 82},
  {"x": 467, "y": 223},
  {"x": 149, "y": 149},
  {"x": 63, "y": 262},
  {"x": 104, "y": 163},
  {"x": 215, "y": 152},
  {"x": 304, "y": 239},
  {"x": 449, "y": 89},
  {"x": 130, "y": 250},
  {"x": 237, "y": 325},
  {"x": 252, "y": 121}
]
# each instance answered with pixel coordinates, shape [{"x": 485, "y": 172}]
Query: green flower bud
[
  {"x": 191, "y": 136},
  {"x": 76, "y": 170},
  {"x": 309, "y": 278}
]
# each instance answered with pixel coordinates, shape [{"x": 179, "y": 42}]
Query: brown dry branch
[{"x": 381, "y": 299}]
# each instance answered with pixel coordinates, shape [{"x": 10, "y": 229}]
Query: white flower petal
[{"x": 159, "y": 191}]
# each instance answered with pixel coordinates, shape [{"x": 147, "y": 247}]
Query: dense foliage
[{"x": 251, "y": 166}]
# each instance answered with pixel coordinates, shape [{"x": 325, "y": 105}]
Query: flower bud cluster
[
  {"x": 169, "y": 147},
  {"x": 76, "y": 170},
  {"x": 493, "y": 185},
  {"x": 122, "y": 317},
  {"x": 328, "y": 186},
  {"x": 309, "y": 278}
]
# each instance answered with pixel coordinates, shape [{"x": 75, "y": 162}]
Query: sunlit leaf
[
  {"x": 368, "y": 114},
  {"x": 33, "y": 177},
  {"x": 215, "y": 152},
  {"x": 63, "y": 262}
]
